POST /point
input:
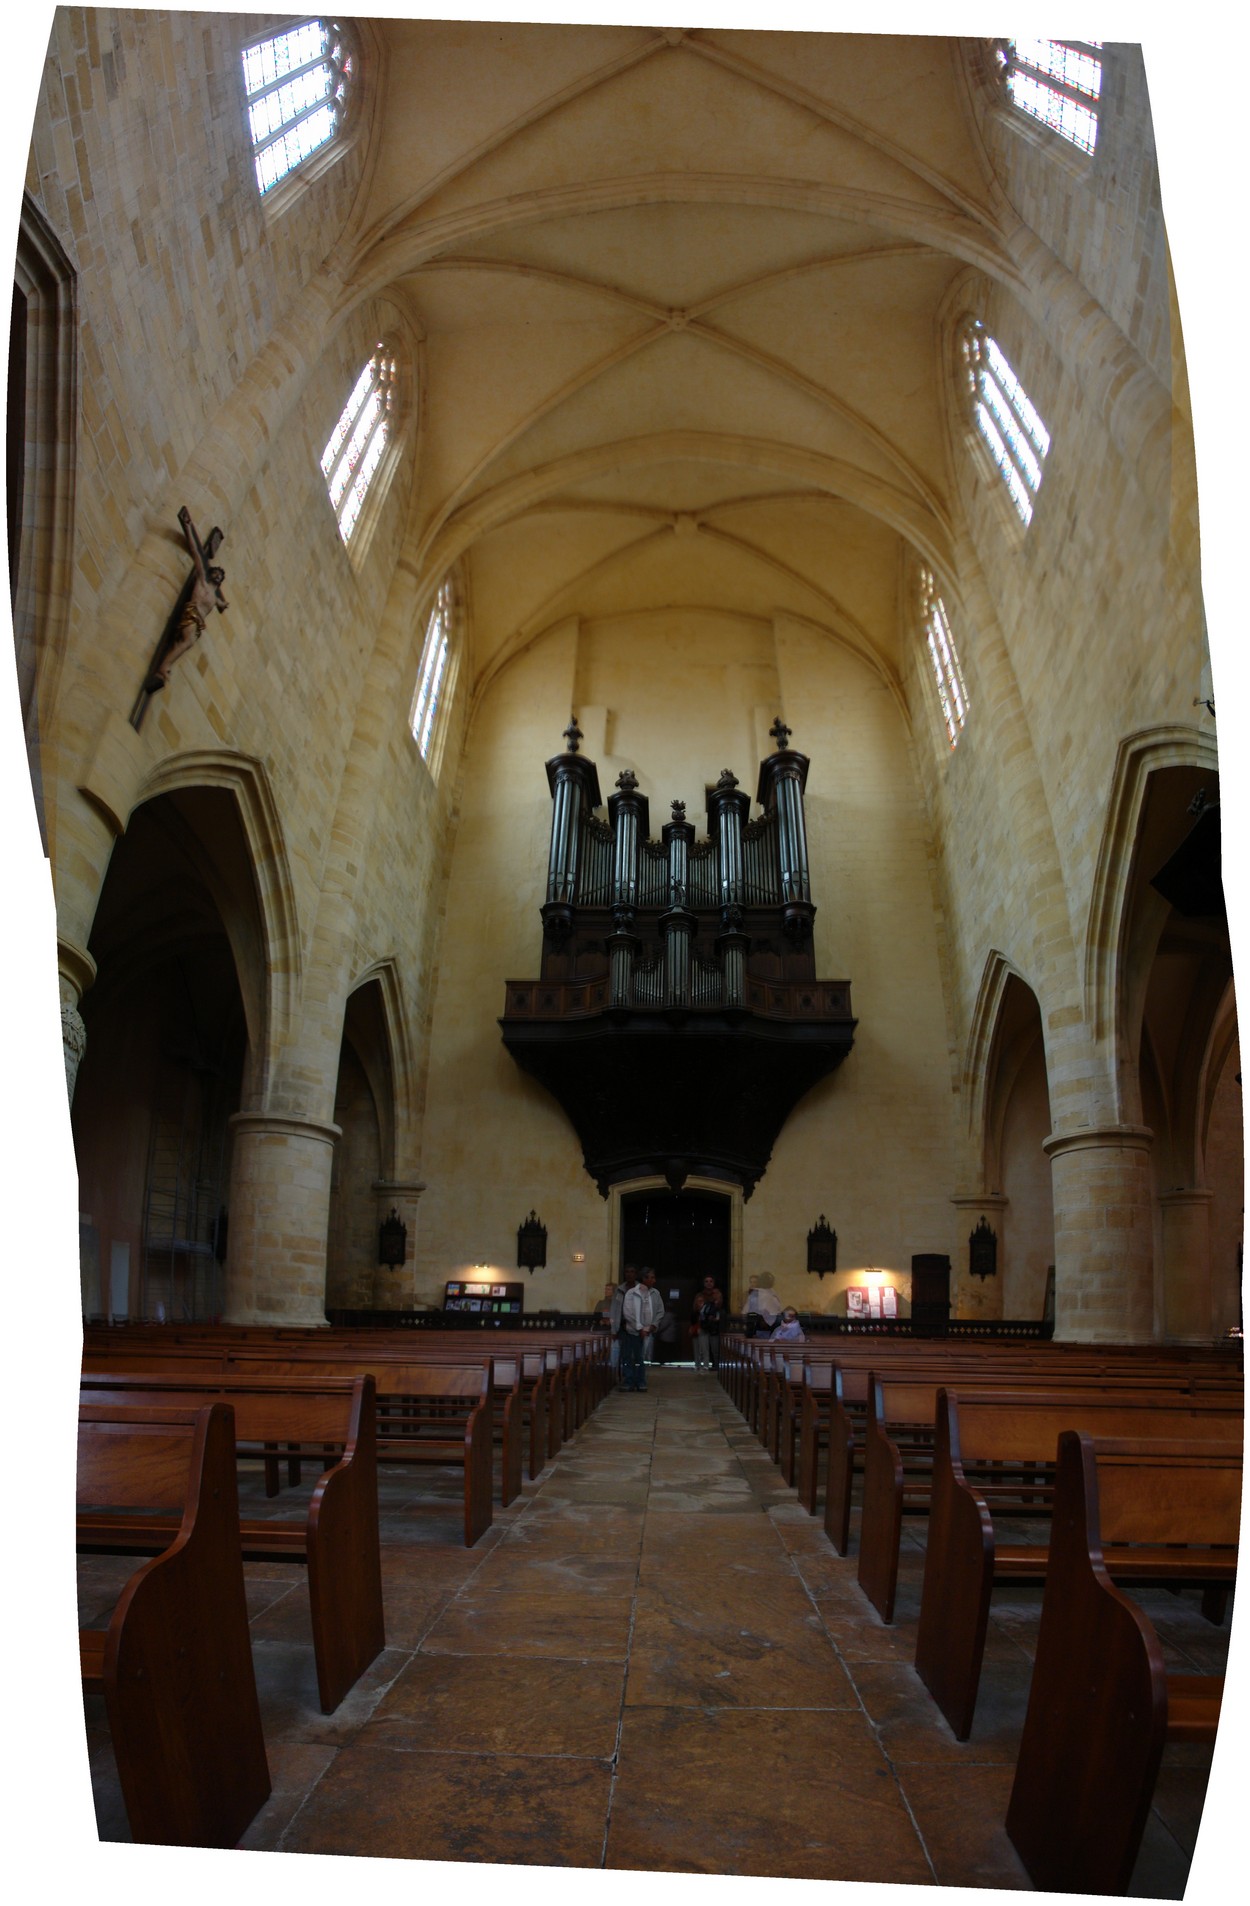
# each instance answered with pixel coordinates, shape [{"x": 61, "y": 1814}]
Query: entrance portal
[{"x": 684, "y": 1237}]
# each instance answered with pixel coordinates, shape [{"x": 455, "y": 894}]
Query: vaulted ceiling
[{"x": 681, "y": 295}]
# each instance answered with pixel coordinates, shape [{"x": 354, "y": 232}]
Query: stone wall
[{"x": 678, "y": 697}]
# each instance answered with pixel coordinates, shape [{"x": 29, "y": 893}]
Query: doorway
[{"x": 684, "y": 1237}]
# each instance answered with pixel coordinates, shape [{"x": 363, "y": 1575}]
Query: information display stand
[{"x": 484, "y": 1298}]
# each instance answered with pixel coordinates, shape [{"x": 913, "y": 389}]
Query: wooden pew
[
  {"x": 438, "y": 1413},
  {"x": 1172, "y": 1367},
  {"x": 584, "y": 1366},
  {"x": 814, "y": 1413},
  {"x": 1102, "y": 1706},
  {"x": 391, "y": 1366},
  {"x": 428, "y": 1413},
  {"x": 337, "y": 1539},
  {"x": 977, "y": 1438},
  {"x": 175, "y": 1663},
  {"x": 898, "y": 1452}
]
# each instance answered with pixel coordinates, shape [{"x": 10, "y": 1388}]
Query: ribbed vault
[{"x": 680, "y": 294}]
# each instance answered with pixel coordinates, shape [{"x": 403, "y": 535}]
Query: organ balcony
[{"x": 677, "y": 1017}]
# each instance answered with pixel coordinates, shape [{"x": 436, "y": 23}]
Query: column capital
[
  {"x": 398, "y": 1187},
  {"x": 1185, "y": 1196},
  {"x": 1099, "y": 1138},
  {"x": 75, "y": 965},
  {"x": 980, "y": 1200},
  {"x": 283, "y": 1125}
]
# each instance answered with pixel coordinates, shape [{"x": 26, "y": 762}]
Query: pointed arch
[
  {"x": 995, "y": 974},
  {"x": 398, "y": 1035},
  {"x": 1008, "y": 1091},
  {"x": 246, "y": 778},
  {"x": 1138, "y": 757}
]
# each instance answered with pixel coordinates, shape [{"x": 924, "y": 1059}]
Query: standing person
[
  {"x": 636, "y": 1328},
  {"x": 761, "y": 1310},
  {"x": 616, "y": 1315},
  {"x": 657, "y": 1313},
  {"x": 707, "y": 1321},
  {"x": 714, "y": 1315},
  {"x": 603, "y": 1315}
]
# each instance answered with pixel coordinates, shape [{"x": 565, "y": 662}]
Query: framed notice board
[{"x": 484, "y": 1298}]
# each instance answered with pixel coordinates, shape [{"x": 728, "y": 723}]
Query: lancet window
[
  {"x": 297, "y": 85},
  {"x": 1006, "y": 418},
  {"x": 435, "y": 673},
  {"x": 1058, "y": 82},
  {"x": 353, "y": 455},
  {"x": 947, "y": 673}
]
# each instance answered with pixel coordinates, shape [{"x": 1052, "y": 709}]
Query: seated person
[{"x": 789, "y": 1329}]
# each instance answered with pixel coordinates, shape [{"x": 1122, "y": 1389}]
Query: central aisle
[{"x": 655, "y": 1661}]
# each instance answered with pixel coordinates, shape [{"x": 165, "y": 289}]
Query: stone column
[
  {"x": 279, "y": 1219},
  {"x": 979, "y": 1296},
  {"x": 76, "y": 972},
  {"x": 395, "y": 1285},
  {"x": 1185, "y": 1274},
  {"x": 1104, "y": 1234}
]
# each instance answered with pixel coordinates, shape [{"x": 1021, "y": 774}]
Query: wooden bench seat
[
  {"x": 174, "y": 1664},
  {"x": 898, "y": 1466},
  {"x": 435, "y": 1413},
  {"x": 799, "y": 1417},
  {"x": 337, "y": 1538},
  {"x": 398, "y": 1370},
  {"x": 1102, "y": 1706},
  {"x": 975, "y": 1434},
  {"x": 577, "y": 1375}
]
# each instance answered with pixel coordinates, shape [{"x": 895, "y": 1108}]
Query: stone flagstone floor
[{"x": 653, "y": 1661}]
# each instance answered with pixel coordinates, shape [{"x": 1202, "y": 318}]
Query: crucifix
[
  {"x": 779, "y": 732},
  {"x": 201, "y": 594}
]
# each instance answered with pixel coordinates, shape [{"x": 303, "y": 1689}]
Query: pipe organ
[{"x": 677, "y": 1017}]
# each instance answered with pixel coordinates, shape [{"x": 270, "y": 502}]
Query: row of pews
[
  {"x": 1124, "y": 1466},
  {"x": 166, "y": 1417}
]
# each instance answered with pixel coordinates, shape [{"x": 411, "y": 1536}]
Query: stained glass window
[
  {"x": 1014, "y": 434},
  {"x": 435, "y": 657},
  {"x": 350, "y": 459},
  {"x": 947, "y": 673},
  {"x": 296, "y": 86},
  {"x": 1058, "y": 82}
]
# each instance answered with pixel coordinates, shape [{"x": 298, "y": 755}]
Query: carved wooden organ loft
[{"x": 678, "y": 1019}]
